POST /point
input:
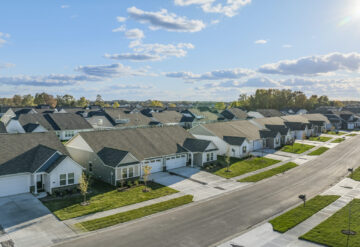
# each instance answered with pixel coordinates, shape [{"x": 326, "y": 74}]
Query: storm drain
[
  {"x": 8, "y": 243},
  {"x": 219, "y": 188}
]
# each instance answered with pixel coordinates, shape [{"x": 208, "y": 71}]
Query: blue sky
[{"x": 179, "y": 49}]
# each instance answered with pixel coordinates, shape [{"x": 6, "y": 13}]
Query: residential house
[
  {"x": 35, "y": 162},
  {"x": 193, "y": 117},
  {"x": 120, "y": 117},
  {"x": 320, "y": 122},
  {"x": 118, "y": 154},
  {"x": 254, "y": 114},
  {"x": 168, "y": 118},
  {"x": 234, "y": 114},
  {"x": 65, "y": 125},
  {"x": 270, "y": 112}
]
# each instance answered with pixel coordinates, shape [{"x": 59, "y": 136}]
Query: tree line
[{"x": 280, "y": 99}]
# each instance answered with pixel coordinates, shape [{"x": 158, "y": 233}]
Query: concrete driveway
[{"x": 27, "y": 222}]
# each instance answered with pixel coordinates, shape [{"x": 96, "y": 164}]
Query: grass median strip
[
  {"x": 105, "y": 197},
  {"x": 329, "y": 231},
  {"x": 241, "y": 166},
  {"x": 296, "y": 148},
  {"x": 338, "y": 140},
  {"x": 319, "y": 151},
  {"x": 297, "y": 215},
  {"x": 355, "y": 175},
  {"x": 352, "y": 134},
  {"x": 269, "y": 173},
  {"x": 111, "y": 220},
  {"x": 320, "y": 138},
  {"x": 340, "y": 133}
]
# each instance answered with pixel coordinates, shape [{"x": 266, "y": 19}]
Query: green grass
[
  {"x": 240, "y": 166},
  {"x": 111, "y": 220},
  {"x": 338, "y": 140},
  {"x": 269, "y": 173},
  {"x": 340, "y": 133},
  {"x": 320, "y": 138},
  {"x": 355, "y": 175},
  {"x": 329, "y": 231},
  {"x": 297, "y": 215},
  {"x": 104, "y": 197},
  {"x": 296, "y": 148},
  {"x": 319, "y": 151},
  {"x": 352, "y": 134}
]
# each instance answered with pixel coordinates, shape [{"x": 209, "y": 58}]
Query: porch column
[
  {"x": 35, "y": 181},
  {"x": 192, "y": 160}
]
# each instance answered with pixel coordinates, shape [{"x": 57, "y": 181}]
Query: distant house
[
  {"x": 270, "y": 112},
  {"x": 35, "y": 162},
  {"x": 254, "y": 114},
  {"x": 234, "y": 114},
  {"x": 119, "y": 154},
  {"x": 193, "y": 117},
  {"x": 168, "y": 118},
  {"x": 125, "y": 118},
  {"x": 65, "y": 125}
]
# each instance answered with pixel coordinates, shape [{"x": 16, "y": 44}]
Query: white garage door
[
  {"x": 12, "y": 185},
  {"x": 175, "y": 162},
  {"x": 156, "y": 165}
]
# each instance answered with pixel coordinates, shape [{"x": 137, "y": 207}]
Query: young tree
[
  {"x": 84, "y": 186},
  {"x": 28, "y": 100},
  {"x": 99, "y": 100},
  {"x": 147, "y": 171},
  {"x": 82, "y": 102},
  {"x": 156, "y": 103},
  {"x": 227, "y": 159},
  {"x": 220, "y": 106}
]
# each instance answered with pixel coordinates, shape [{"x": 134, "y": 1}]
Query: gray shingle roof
[
  {"x": 28, "y": 121},
  {"x": 141, "y": 142},
  {"x": 269, "y": 112},
  {"x": 234, "y": 140},
  {"x": 27, "y": 152},
  {"x": 234, "y": 113},
  {"x": 196, "y": 145},
  {"x": 132, "y": 119},
  {"x": 67, "y": 121},
  {"x": 111, "y": 157},
  {"x": 167, "y": 117}
]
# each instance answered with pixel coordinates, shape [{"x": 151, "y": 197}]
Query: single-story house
[
  {"x": 35, "y": 162},
  {"x": 168, "y": 118},
  {"x": 193, "y": 117},
  {"x": 239, "y": 137},
  {"x": 65, "y": 125},
  {"x": 118, "y": 154},
  {"x": 234, "y": 114},
  {"x": 270, "y": 112},
  {"x": 275, "y": 125},
  {"x": 319, "y": 121}
]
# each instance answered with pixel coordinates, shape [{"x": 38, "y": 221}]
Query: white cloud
[
  {"x": 164, "y": 20},
  {"x": 121, "y": 19},
  {"x": 4, "y": 38},
  {"x": 64, "y": 6},
  {"x": 260, "y": 82},
  {"x": 314, "y": 65},
  {"x": 153, "y": 52},
  {"x": 134, "y": 34},
  {"x": 287, "y": 46},
  {"x": 122, "y": 28},
  {"x": 111, "y": 71},
  {"x": 260, "y": 41},
  {"x": 214, "y": 22},
  {"x": 213, "y": 75},
  {"x": 212, "y": 6}
]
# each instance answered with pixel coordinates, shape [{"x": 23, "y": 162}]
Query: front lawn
[
  {"x": 339, "y": 133},
  {"x": 104, "y": 197},
  {"x": 329, "y": 231},
  {"x": 319, "y": 151},
  {"x": 352, "y": 134},
  {"x": 111, "y": 220},
  {"x": 269, "y": 173},
  {"x": 296, "y": 148},
  {"x": 320, "y": 138},
  {"x": 239, "y": 166},
  {"x": 297, "y": 215},
  {"x": 355, "y": 175},
  {"x": 338, "y": 140}
]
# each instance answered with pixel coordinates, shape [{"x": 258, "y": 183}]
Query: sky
[{"x": 199, "y": 50}]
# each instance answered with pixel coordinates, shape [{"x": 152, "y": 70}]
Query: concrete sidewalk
[
  {"x": 72, "y": 222},
  {"x": 264, "y": 236}
]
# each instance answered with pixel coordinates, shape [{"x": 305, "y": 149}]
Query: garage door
[
  {"x": 156, "y": 165},
  {"x": 176, "y": 162},
  {"x": 13, "y": 185}
]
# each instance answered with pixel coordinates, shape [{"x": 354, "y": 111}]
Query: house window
[
  {"x": 137, "y": 171},
  {"x": 167, "y": 158},
  {"x": 71, "y": 178},
  {"x": 158, "y": 160},
  {"x": 208, "y": 157},
  {"x": 177, "y": 156},
  {"x": 212, "y": 156},
  {"x": 244, "y": 149},
  {"x": 152, "y": 161},
  {"x": 147, "y": 162},
  {"x": 183, "y": 155},
  {"x": 124, "y": 173},
  {"x": 131, "y": 172},
  {"x": 62, "y": 179},
  {"x": 90, "y": 167},
  {"x": 173, "y": 157}
]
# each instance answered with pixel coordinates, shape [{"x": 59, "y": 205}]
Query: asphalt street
[{"x": 208, "y": 222}]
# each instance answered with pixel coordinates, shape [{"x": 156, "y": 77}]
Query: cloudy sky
[{"x": 179, "y": 49}]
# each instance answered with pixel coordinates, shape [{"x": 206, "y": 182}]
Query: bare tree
[
  {"x": 84, "y": 186},
  {"x": 147, "y": 172}
]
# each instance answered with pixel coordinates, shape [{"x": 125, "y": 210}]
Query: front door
[{"x": 39, "y": 182}]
